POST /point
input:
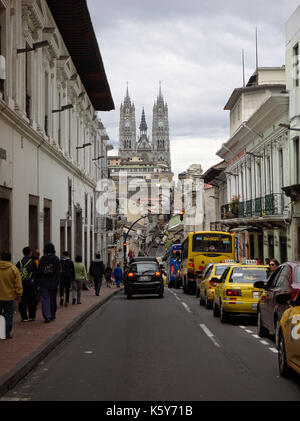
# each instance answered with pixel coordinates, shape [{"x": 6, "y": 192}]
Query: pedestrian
[
  {"x": 11, "y": 288},
  {"x": 67, "y": 275},
  {"x": 267, "y": 261},
  {"x": 118, "y": 274},
  {"x": 273, "y": 265},
  {"x": 97, "y": 270},
  {"x": 28, "y": 271},
  {"x": 48, "y": 281},
  {"x": 108, "y": 273},
  {"x": 36, "y": 257},
  {"x": 80, "y": 277}
]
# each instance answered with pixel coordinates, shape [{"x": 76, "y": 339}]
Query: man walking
[
  {"x": 27, "y": 268},
  {"x": 48, "y": 277},
  {"x": 97, "y": 270},
  {"x": 10, "y": 289},
  {"x": 118, "y": 274},
  {"x": 67, "y": 275}
]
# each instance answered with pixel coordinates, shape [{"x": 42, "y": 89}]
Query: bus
[
  {"x": 201, "y": 248},
  {"x": 173, "y": 263}
]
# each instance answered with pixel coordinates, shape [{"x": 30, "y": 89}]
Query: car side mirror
[
  {"x": 216, "y": 280},
  {"x": 282, "y": 298},
  {"x": 260, "y": 284}
]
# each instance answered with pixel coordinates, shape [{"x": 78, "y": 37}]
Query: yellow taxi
[
  {"x": 211, "y": 274},
  {"x": 289, "y": 336},
  {"x": 235, "y": 293}
]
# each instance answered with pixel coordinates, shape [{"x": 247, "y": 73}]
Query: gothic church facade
[{"x": 133, "y": 144}]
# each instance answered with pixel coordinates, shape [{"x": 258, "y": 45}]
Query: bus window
[{"x": 212, "y": 243}]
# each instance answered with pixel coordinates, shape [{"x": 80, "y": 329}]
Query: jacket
[
  {"x": 10, "y": 282},
  {"x": 67, "y": 270},
  {"x": 48, "y": 272},
  {"x": 80, "y": 272},
  {"x": 97, "y": 268}
]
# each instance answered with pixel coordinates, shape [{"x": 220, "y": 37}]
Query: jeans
[
  {"x": 7, "y": 310},
  {"x": 97, "y": 283},
  {"x": 28, "y": 302},
  {"x": 76, "y": 289},
  {"x": 48, "y": 301},
  {"x": 64, "y": 287}
]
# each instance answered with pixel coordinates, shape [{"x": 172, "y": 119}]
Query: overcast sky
[{"x": 194, "y": 47}]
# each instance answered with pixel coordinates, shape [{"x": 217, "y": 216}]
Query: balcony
[{"x": 270, "y": 205}]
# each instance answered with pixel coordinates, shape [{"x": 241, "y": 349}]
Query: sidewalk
[{"x": 32, "y": 341}]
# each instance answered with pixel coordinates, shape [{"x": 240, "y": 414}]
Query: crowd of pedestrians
[{"x": 34, "y": 279}]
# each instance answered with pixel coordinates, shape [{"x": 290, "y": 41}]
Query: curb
[{"x": 10, "y": 379}]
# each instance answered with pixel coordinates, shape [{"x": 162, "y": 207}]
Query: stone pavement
[{"x": 32, "y": 341}]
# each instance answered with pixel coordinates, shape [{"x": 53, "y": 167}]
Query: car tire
[
  {"x": 216, "y": 311},
  {"x": 129, "y": 296},
  {"x": 261, "y": 330},
  {"x": 224, "y": 316},
  {"x": 277, "y": 327},
  {"x": 207, "y": 303},
  {"x": 197, "y": 292},
  {"x": 284, "y": 369},
  {"x": 201, "y": 301}
]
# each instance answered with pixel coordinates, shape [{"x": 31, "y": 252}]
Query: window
[
  {"x": 46, "y": 121},
  {"x": 296, "y": 160},
  {"x": 281, "y": 177},
  {"x": 296, "y": 65}
]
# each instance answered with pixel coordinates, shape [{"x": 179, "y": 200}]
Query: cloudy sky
[{"x": 194, "y": 47}]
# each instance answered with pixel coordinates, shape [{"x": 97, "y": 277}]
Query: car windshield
[
  {"x": 204, "y": 243},
  {"x": 220, "y": 270},
  {"x": 248, "y": 275},
  {"x": 143, "y": 267}
]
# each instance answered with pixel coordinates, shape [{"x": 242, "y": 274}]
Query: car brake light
[
  {"x": 233, "y": 292},
  {"x": 130, "y": 275},
  {"x": 262, "y": 298},
  {"x": 157, "y": 274},
  {"x": 212, "y": 283},
  {"x": 200, "y": 267}
]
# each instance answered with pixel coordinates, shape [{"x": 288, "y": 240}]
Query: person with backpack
[
  {"x": 97, "y": 270},
  {"x": 11, "y": 288},
  {"x": 66, "y": 277},
  {"x": 27, "y": 268},
  {"x": 48, "y": 277}
]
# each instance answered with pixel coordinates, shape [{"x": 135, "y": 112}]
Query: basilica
[{"x": 133, "y": 145}]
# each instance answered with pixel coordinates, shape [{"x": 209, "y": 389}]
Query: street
[{"x": 151, "y": 349}]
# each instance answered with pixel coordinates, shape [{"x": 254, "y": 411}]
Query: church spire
[{"x": 143, "y": 125}]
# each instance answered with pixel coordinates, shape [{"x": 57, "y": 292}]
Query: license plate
[
  {"x": 144, "y": 278},
  {"x": 256, "y": 294}
]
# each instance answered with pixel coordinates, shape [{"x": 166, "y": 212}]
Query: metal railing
[{"x": 271, "y": 204}]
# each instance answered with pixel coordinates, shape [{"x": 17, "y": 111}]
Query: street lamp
[
  {"x": 83, "y": 146},
  {"x": 35, "y": 46}
]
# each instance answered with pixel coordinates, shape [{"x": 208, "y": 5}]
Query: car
[
  {"x": 289, "y": 335},
  {"x": 235, "y": 292},
  {"x": 284, "y": 280},
  {"x": 144, "y": 277},
  {"x": 207, "y": 283}
]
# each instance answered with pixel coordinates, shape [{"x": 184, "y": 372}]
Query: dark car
[
  {"x": 144, "y": 277},
  {"x": 285, "y": 280}
]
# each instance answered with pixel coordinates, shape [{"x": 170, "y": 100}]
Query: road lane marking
[
  {"x": 248, "y": 331},
  {"x": 210, "y": 335},
  {"x": 264, "y": 342},
  {"x": 273, "y": 350},
  {"x": 255, "y": 336},
  {"x": 186, "y": 307}
]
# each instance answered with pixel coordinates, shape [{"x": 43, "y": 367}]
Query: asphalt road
[{"x": 151, "y": 349}]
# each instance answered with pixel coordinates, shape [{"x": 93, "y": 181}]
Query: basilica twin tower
[{"x": 131, "y": 145}]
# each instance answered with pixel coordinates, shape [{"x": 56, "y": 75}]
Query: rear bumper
[
  {"x": 238, "y": 306},
  {"x": 144, "y": 288}
]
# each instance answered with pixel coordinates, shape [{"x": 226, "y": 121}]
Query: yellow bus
[{"x": 201, "y": 248}]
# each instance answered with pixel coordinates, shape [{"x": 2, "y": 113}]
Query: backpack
[
  {"x": 49, "y": 266},
  {"x": 25, "y": 274}
]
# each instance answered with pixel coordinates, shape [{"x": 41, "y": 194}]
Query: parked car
[
  {"x": 236, "y": 293},
  {"x": 144, "y": 277},
  {"x": 207, "y": 284},
  {"x": 289, "y": 335},
  {"x": 285, "y": 280}
]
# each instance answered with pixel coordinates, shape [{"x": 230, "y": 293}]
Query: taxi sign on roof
[
  {"x": 229, "y": 261},
  {"x": 250, "y": 262}
]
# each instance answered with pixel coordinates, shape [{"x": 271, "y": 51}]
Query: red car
[{"x": 285, "y": 280}]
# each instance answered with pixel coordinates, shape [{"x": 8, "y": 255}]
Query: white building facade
[{"x": 49, "y": 133}]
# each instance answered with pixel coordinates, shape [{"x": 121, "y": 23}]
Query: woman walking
[{"x": 80, "y": 277}]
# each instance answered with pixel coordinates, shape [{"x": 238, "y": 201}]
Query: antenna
[
  {"x": 243, "y": 60},
  {"x": 256, "y": 48}
]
